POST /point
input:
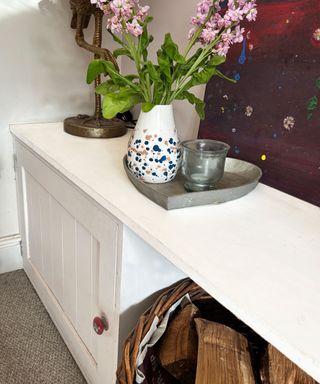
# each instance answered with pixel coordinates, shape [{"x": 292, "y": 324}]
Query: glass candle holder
[{"x": 203, "y": 163}]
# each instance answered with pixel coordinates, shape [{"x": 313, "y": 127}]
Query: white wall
[
  {"x": 42, "y": 78},
  {"x": 174, "y": 16}
]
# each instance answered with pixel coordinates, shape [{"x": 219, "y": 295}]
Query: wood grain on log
[
  {"x": 179, "y": 345},
  {"x": 278, "y": 369},
  {"x": 223, "y": 356}
]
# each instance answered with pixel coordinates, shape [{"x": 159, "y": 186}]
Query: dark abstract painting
[{"x": 271, "y": 116}]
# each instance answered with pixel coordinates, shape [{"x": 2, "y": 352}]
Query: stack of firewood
[
  {"x": 202, "y": 343},
  {"x": 201, "y": 351}
]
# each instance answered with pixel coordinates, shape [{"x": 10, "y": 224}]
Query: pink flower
[
  {"x": 203, "y": 10},
  {"x": 122, "y": 8},
  {"x": 125, "y": 16},
  {"x": 221, "y": 49},
  {"x": 114, "y": 25},
  {"x": 191, "y": 33},
  {"x": 134, "y": 28},
  {"x": 229, "y": 37},
  {"x": 143, "y": 12},
  {"x": 238, "y": 34},
  {"x": 208, "y": 35},
  {"x": 250, "y": 11},
  {"x": 217, "y": 21},
  {"x": 217, "y": 5},
  {"x": 233, "y": 15},
  {"x": 222, "y": 24}
]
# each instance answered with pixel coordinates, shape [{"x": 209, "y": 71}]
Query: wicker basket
[
  {"x": 126, "y": 371},
  {"x": 210, "y": 310}
]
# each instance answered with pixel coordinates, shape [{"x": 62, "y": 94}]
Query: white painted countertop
[{"x": 259, "y": 255}]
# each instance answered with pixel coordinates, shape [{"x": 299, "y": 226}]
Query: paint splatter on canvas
[{"x": 271, "y": 117}]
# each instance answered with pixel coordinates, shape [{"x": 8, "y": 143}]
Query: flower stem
[
  {"x": 181, "y": 82},
  {"x": 145, "y": 86}
]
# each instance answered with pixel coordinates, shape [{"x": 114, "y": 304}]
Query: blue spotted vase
[{"x": 154, "y": 151}]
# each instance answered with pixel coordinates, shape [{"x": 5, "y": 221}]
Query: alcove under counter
[{"x": 92, "y": 241}]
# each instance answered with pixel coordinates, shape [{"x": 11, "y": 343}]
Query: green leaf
[
  {"x": 145, "y": 39},
  {"x": 107, "y": 87},
  {"x": 309, "y": 116},
  {"x": 95, "y": 68},
  {"x": 147, "y": 107},
  {"x": 148, "y": 19},
  {"x": 164, "y": 65},
  {"x": 200, "y": 110},
  {"x": 170, "y": 48},
  {"x": 131, "y": 77},
  {"x": 159, "y": 83},
  {"x": 203, "y": 76},
  {"x": 220, "y": 74},
  {"x": 318, "y": 83},
  {"x": 120, "y": 102},
  {"x": 153, "y": 72},
  {"x": 199, "y": 104},
  {"x": 209, "y": 70},
  {"x": 158, "y": 92},
  {"x": 184, "y": 68},
  {"x": 113, "y": 73},
  {"x": 217, "y": 60},
  {"x": 122, "y": 52},
  {"x": 312, "y": 103}
]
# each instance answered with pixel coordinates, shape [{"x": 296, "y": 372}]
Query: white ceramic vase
[{"x": 154, "y": 150}]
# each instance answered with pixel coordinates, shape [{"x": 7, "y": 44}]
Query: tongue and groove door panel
[{"x": 70, "y": 255}]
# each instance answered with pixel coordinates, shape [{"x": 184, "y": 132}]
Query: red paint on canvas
[{"x": 264, "y": 116}]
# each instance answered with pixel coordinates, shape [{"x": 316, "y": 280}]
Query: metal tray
[{"x": 240, "y": 177}]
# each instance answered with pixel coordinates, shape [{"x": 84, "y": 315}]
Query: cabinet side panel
[{"x": 144, "y": 273}]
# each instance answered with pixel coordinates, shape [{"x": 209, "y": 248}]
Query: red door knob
[{"x": 99, "y": 325}]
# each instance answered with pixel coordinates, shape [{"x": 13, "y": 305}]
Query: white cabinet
[
  {"x": 73, "y": 255},
  {"x": 70, "y": 255},
  {"x": 94, "y": 245}
]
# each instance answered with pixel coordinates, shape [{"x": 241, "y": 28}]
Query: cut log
[
  {"x": 278, "y": 369},
  {"x": 179, "y": 345},
  {"x": 223, "y": 356}
]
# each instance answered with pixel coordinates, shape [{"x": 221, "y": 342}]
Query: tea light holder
[{"x": 203, "y": 162}]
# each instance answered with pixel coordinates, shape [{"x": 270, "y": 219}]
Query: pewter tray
[{"x": 240, "y": 177}]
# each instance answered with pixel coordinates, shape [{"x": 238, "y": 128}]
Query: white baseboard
[{"x": 10, "y": 253}]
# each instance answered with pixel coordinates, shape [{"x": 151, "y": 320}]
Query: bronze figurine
[{"x": 83, "y": 125}]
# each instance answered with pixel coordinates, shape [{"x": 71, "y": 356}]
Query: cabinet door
[{"x": 70, "y": 255}]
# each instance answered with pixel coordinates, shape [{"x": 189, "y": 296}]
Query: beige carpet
[{"x": 31, "y": 349}]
